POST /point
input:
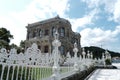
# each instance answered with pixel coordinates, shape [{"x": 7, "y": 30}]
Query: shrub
[{"x": 108, "y": 62}]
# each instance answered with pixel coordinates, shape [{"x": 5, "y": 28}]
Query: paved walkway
[
  {"x": 117, "y": 65},
  {"x": 106, "y": 74}
]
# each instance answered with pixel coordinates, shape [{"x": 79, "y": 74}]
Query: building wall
[{"x": 42, "y": 33}]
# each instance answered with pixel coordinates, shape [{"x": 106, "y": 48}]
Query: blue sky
[{"x": 98, "y": 21}]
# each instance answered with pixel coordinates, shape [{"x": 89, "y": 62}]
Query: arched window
[
  {"x": 76, "y": 40},
  {"x": 53, "y": 31},
  {"x": 46, "y": 49},
  {"x": 62, "y": 32},
  {"x": 34, "y": 34},
  {"x": 28, "y": 35},
  {"x": 68, "y": 33},
  {"x": 40, "y": 33},
  {"x": 46, "y": 33},
  {"x": 62, "y": 50},
  {"x": 39, "y": 47}
]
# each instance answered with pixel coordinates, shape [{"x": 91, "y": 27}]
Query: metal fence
[{"x": 34, "y": 65}]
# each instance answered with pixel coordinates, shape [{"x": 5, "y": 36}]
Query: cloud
[
  {"x": 82, "y": 22},
  {"x": 92, "y": 3},
  {"x": 37, "y": 10},
  {"x": 42, "y": 9},
  {"x": 116, "y": 12},
  {"x": 10, "y": 24},
  {"x": 111, "y": 7},
  {"x": 97, "y": 36}
]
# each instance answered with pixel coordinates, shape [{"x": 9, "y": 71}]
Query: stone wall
[
  {"x": 80, "y": 75},
  {"x": 85, "y": 74}
]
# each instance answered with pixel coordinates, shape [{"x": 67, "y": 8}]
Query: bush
[{"x": 108, "y": 62}]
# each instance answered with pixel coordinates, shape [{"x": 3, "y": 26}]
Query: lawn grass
[
  {"x": 26, "y": 73},
  {"x": 29, "y": 72}
]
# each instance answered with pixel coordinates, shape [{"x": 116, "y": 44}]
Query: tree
[
  {"x": 108, "y": 62},
  {"x": 13, "y": 46},
  {"x": 22, "y": 44},
  {"x": 5, "y": 37},
  {"x": 19, "y": 49},
  {"x": 97, "y": 52}
]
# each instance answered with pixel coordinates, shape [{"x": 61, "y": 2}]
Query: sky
[{"x": 98, "y": 21}]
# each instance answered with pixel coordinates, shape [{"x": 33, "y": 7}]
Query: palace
[{"x": 42, "y": 33}]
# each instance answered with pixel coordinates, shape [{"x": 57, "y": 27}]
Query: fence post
[
  {"x": 103, "y": 59},
  {"x": 56, "y": 43},
  {"x": 88, "y": 59},
  {"x": 3, "y": 67},
  {"x": 75, "y": 50},
  {"x": 84, "y": 59},
  {"x": 91, "y": 56}
]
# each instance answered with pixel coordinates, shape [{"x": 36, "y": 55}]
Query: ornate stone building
[{"x": 42, "y": 33}]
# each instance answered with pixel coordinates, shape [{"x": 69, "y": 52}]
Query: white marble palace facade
[{"x": 42, "y": 33}]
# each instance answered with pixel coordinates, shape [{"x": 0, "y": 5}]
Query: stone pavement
[{"x": 106, "y": 74}]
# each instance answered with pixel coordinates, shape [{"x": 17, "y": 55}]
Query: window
[
  {"x": 28, "y": 35},
  {"x": 72, "y": 40},
  {"x": 52, "y": 48},
  {"x": 68, "y": 33},
  {"x": 62, "y": 32},
  {"x": 46, "y": 32},
  {"x": 39, "y": 47},
  {"x": 46, "y": 48},
  {"x": 76, "y": 40},
  {"x": 34, "y": 35},
  {"x": 62, "y": 50},
  {"x": 53, "y": 31},
  {"x": 40, "y": 33}
]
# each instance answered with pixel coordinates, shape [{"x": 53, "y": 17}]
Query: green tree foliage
[
  {"x": 19, "y": 49},
  {"x": 108, "y": 62},
  {"x": 97, "y": 52},
  {"x": 13, "y": 46},
  {"x": 22, "y": 44},
  {"x": 5, "y": 37},
  {"x": 3, "y": 43}
]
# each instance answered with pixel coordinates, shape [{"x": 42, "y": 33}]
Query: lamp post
[
  {"x": 84, "y": 59},
  {"x": 88, "y": 54},
  {"x": 103, "y": 59},
  {"x": 83, "y": 53},
  {"x": 75, "y": 50},
  {"x": 56, "y": 43}
]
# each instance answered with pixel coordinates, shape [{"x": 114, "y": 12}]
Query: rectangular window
[
  {"x": 46, "y": 32},
  {"x": 46, "y": 48},
  {"x": 39, "y": 47}
]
